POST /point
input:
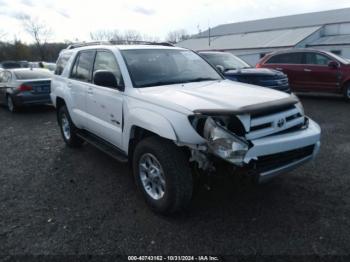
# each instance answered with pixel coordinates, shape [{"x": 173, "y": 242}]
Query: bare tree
[
  {"x": 132, "y": 36},
  {"x": 39, "y": 31},
  {"x": 126, "y": 37},
  {"x": 150, "y": 38},
  {"x": 177, "y": 36},
  {"x": 106, "y": 35}
]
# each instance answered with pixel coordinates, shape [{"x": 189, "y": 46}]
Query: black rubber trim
[{"x": 252, "y": 109}]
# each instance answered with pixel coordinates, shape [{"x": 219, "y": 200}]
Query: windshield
[
  {"x": 339, "y": 58},
  {"x": 155, "y": 67},
  {"x": 29, "y": 74},
  {"x": 228, "y": 61}
]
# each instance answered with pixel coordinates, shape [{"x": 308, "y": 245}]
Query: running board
[{"x": 103, "y": 145}]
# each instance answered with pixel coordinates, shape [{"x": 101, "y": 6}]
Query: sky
[{"x": 73, "y": 20}]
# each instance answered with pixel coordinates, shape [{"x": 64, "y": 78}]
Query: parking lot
[{"x": 56, "y": 200}]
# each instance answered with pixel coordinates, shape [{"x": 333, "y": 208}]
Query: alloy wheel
[
  {"x": 152, "y": 176},
  {"x": 65, "y": 127}
]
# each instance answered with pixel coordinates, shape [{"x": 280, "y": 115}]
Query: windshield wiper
[
  {"x": 161, "y": 83},
  {"x": 230, "y": 68},
  {"x": 200, "y": 79}
]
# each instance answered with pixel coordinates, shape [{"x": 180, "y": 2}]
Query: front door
[
  {"x": 318, "y": 76},
  {"x": 105, "y": 104}
]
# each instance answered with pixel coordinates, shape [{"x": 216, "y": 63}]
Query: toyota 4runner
[{"x": 169, "y": 113}]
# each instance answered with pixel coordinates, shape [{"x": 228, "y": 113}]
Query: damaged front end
[
  {"x": 225, "y": 139},
  {"x": 264, "y": 141}
]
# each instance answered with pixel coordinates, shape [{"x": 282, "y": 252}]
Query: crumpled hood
[{"x": 210, "y": 95}]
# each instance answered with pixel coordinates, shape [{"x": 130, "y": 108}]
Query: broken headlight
[{"x": 223, "y": 143}]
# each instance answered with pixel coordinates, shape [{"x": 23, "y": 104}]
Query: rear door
[
  {"x": 291, "y": 65},
  {"x": 318, "y": 76},
  {"x": 105, "y": 104},
  {"x": 78, "y": 83}
]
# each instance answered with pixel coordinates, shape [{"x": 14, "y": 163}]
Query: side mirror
[
  {"x": 220, "y": 68},
  {"x": 333, "y": 64},
  {"x": 105, "y": 78}
]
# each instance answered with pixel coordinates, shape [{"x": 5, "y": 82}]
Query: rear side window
[
  {"x": 62, "y": 62},
  {"x": 83, "y": 66},
  {"x": 316, "y": 59},
  {"x": 289, "y": 58}
]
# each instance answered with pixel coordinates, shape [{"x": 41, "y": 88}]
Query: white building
[{"x": 251, "y": 40}]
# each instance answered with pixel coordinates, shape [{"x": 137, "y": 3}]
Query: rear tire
[
  {"x": 162, "y": 174},
  {"x": 68, "y": 129},
  {"x": 347, "y": 92},
  {"x": 10, "y": 104}
]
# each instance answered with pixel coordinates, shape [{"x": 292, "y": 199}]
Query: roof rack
[{"x": 117, "y": 42}]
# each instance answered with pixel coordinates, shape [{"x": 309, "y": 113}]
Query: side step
[{"x": 103, "y": 145}]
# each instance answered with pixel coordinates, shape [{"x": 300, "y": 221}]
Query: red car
[{"x": 311, "y": 70}]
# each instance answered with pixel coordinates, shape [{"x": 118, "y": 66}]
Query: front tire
[
  {"x": 68, "y": 129},
  {"x": 162, "y": 174},
  {"x": 347, "y": 92}
]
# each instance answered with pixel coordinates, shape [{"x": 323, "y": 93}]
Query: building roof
[
  {"x": 277, "y": 23},
  {"x": 331, "y": 40},
  {"x": 268, "y": 39}
]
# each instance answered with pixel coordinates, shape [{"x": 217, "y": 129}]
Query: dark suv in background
[
  {"x": 236, "y": 69},
  {"x": 311, "y": 70}
]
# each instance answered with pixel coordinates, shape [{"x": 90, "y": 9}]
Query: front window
[
  {"x": 155, "y": 67},
  {"x": 226, "y": 60},
  {"x": 316, "y": 59}
]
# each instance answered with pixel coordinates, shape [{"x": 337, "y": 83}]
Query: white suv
[{"x": 168, "y": 112}]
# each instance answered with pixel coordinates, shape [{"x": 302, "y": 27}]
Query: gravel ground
[{"x": 60, "y": 201}]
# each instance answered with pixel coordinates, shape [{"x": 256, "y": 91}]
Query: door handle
[
  {"x": 90, "y": 91},
  {"x": 307, "y": 70},
  {"x": 279, "y": 69},
  {"x": 69, "y": 84}
]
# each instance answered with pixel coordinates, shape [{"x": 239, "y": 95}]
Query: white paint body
[{"x": 164, "y": 110}]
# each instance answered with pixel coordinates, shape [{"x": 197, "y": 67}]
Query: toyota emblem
[{"x": 281, "y": 122}]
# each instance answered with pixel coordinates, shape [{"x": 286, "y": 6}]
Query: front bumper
[
  {"x": 283, "y": 152},
  {"x": 265, "y": 176}
]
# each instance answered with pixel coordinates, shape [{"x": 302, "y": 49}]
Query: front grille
[
  {"x": 266, "y": 81},
  {"x": 275, "y": 121},
  {"x": 274, "y": 161}
]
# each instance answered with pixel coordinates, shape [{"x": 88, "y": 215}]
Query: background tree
[
  {"x": 132, "y": 36},
  {"x": 106, "y": 35},
  {"x": 177, "y": 36},
  {"x": 39, "y": 32}
]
